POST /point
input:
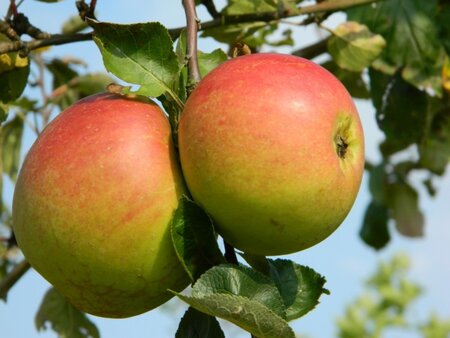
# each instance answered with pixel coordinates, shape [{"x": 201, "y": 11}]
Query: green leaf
[
  {"x": 90, "y": 84},
  {"x": 378, "y": 183},
  {"x": 434, "y": 150},
  {"x": 428, "y": 77},
  {"x": 141, "y": 54},
  {"x": 354, "y": 47},
  {"x": 240, "y": 281},
  {"x": 180, "y": 49},
  {"x": 64, "y": 318},
  {"x": 11, "y": 142},
  {"x": 13, "y": 83},
  {"x": 73, "y": 25},
  {"x": 286, "y": 39},
  {"x": 63, "y": 73},
  {"x": 401, "y": 111},
  {"x": 403, "y": 200},
  {"x": 352, "y": 81},
  {"x": 252, "y": 7},
  {"x": 196, "y": 324},
  {"x": 413, "y": 44},
  {"x": 435, "y": 328},
  {"x": 25, "y": 104},
  {"x": 249, "y": 315},
  {"x": 299, "y": 286},
  {"x": 194, "y": 239},
  {"x": 80, "y": 86},
  {"x": 241, "y": 7},
  {"x": 208, "y": 61},
  {"x": 374, "y": 231},
  {"x": 242, "y": 296},
  {"x": 234, "y": 33},
  {"x": 12, "y": 60},
  {"x": 253, "y": 34}
]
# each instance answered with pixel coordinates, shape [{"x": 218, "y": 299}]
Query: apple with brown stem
[{"x": 272, "y": 148}]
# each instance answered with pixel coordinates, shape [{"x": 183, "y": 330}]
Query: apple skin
[
  {"x": 258, "y": 142},
  {"x": 93, "y": 204}
]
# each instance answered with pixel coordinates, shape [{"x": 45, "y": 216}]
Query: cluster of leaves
[
  {"x": 409, "y": 89},
  {"x": 384, "y": 306}
]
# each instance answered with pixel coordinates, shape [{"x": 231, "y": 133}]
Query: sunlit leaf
[
  {"x": 242, "y": 296},
  {"x": 240, "y": 281},
  {"x": 446, "y": 74},
  {"x": 141, "y": 54},
  {"x": 234, "y": 33},
  {"x": 249, "y": 315},
  {"x": 412, "y": 41},
  {"x": 240, "y": 7},
  {"x": 354, "y": 47},
  {"x": 208, "y": 61}
]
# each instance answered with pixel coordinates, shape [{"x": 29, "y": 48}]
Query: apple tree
[{"x": 391, "y": 53}]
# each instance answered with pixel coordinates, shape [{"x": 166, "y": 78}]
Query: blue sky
[{"x": 342, "y": 258}]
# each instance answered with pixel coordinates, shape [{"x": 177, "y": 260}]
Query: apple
[
  {"x": 93, "y": 204},
  {"x": 272, "y": 148}
]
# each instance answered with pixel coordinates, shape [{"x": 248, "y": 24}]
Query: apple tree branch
[
  {"x": 192, "y": 25},
  {"x": 59, "y": 39}
]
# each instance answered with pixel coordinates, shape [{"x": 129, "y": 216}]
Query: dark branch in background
[
  {"x": 22, "y": 25},
  {"x": 192, "y": 25},
  {"x": 58, "y": 39},
  {"x": 211, "y": 8},
  {"x": 12, "y": 277},
  {"x": 53, "y": 40},
  {"x": 92, "y": 6},
  {"x": 85, "y": 10},
  {"x": 12, "y": 10},
  {"x": 6, "y": 29},
  {"x": 274, "y": 16},
  {"x": 230, "y": 254},
  {"x": 313, "y": 50}
]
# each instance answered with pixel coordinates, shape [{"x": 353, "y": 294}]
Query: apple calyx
[{"x": 341, "y": 146}]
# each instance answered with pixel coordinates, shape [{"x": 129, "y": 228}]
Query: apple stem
[
  {"x": 192, "y": 26},
  {"x": 230, "y": 254}
]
